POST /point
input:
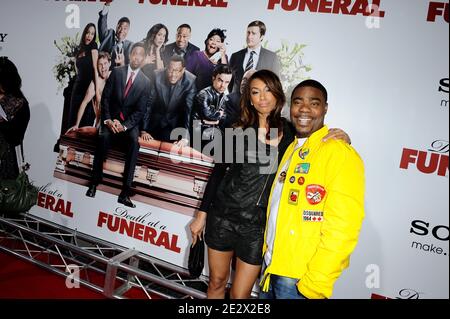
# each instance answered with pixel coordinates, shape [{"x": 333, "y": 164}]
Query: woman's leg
[
  {"x": 219, "y": 272},
  {"x": 244, "y": 280}
]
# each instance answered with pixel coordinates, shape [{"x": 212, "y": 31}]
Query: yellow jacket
[{"x": 320, "y": 214}]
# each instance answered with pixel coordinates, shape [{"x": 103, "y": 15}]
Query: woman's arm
[
  {"x": 96, "y": 77},
  {"x": 159, "y": 60}
]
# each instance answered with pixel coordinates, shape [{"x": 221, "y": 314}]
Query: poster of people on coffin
[{"x": 131, "y": 102}]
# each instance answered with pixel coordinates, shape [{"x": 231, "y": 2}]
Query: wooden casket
[{"x": 165, "y": 176}]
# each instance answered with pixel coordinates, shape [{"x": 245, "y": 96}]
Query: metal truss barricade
[{"x": 109, "y": 269}]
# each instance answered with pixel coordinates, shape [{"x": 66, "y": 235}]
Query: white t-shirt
[{"x": 276, "y": 197}]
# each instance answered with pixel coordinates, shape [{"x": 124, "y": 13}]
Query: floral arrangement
[
  {"x": 293, "y": 71},
  {"x": 64, "y": 70}
]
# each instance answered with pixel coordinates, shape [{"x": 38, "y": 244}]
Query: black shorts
[{"x": 245, "y": 239}]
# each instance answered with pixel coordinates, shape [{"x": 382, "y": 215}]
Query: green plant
[
  {"x": 64, "y": 70},
  {"x": 293, "y": 71}
]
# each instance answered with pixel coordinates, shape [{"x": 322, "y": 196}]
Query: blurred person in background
[{"x": 14, "y": 118}]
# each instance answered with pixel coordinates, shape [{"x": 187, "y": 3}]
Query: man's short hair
[
  {"x": 314, "y": 84},
  {"x": 184, "y": 25},
  {"x": 124, "y": 20},
  {"x": 222, "y": 69},
  {"x": 262, "y": 27},
  {"x": 178, "y": 58},
  {"x": 137, "y": 45},
  {"x": 104, "y": 55}
]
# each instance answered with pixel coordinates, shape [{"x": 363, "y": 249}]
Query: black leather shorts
[{"x": 245, "y": 239}]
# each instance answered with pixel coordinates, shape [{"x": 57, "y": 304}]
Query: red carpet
[{"x": 21, "y": 279}]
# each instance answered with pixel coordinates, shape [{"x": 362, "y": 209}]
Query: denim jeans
[{"x": 282, "y": 288}]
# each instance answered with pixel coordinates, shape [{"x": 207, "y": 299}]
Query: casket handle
[
  {"x": 152, "y": 176},
  {"x": 199, "y": 187}
]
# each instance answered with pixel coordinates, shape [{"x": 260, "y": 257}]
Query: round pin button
[
  {"x": 301, "y": 180},
  {"x": 292, "y": 180}
]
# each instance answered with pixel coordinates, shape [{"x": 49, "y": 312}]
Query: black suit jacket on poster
[
  {"x": 169, "y": 51},
  {"x": 268, "y": 60},
  {"x": 167, "y": 111},
  {"x": 108, "y": 40},
  {"x": 133, "y": 106}
]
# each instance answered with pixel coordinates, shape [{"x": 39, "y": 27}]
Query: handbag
[
  {"x": 196, "y": 258},
  {"x": 18, "y": 195}
]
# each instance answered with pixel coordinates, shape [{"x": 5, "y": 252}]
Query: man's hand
[
  {"x": 120, "y": 59},
  {"x": 110, "y": 125},
  {"x": 146, "y": 137},
  {"x": 119, "y": 127},
  {"x": 337, "y": 134},
  {"x": 181, "y": 143},
  {"x": 197, "y": 227}
]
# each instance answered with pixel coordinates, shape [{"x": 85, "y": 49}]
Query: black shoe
[
  {"x": 91, "y": 191},
  {"x": 125, "y": 200}
]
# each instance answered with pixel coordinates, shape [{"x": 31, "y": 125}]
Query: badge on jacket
[
  {"x": 293, "y": 196},
  {"x": 312, "y": 216},
  {"x": 302, "y": 168},
  {"x": 303, "y": 153},
  {"x": 315, "y": 194}
]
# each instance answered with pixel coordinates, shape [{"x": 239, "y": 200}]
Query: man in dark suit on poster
[
  {"x": 123, "y": 106},
  {"x": 254, "y": 56},
  {"x": 181, "y": 46},
  {"x": 114, "y": 41},
  {"x": 170, "y": 103}
]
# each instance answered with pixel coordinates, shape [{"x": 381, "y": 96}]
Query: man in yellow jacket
[{"x": 316, "y": 206}]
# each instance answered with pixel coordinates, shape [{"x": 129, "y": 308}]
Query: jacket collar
[{"x": 316, "y": 136}]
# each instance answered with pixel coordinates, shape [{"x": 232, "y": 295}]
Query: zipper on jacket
[{"x": 265, "y": 183}]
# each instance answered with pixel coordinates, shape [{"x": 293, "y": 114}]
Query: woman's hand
[
  {"x": 72, "y": 129},
  {"x": 198, "y": 226},
  {"x": 338, "y": 134},
  {"x": 150, "y": 59},
  {"x": 222, "y": 49},
  {"x": 146, "y": 136}
]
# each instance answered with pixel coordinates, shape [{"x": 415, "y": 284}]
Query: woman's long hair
[
  {"x": 10, "y": 80},
  {"x": 249, "y": 114},
  {"x": 83, "y": 47},
  {"x": 151, "y": 35}
]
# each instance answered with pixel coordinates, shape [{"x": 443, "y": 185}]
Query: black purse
[{"x": 197, "y": 258}]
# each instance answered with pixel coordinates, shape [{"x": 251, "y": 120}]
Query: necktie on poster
[
  {"x": 250, "y": 62},
  {"x": 129, "y": 85},
  {"x": 3, "y": 114}
]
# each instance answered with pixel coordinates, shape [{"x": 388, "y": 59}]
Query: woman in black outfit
[
  {"x": 155, "y": 43},
  {"x": 12, "y": 129},
  {"x": 235, "y": 200},
  {"x": 86, "y": 65},
  {"x": 236, "y": 197}
]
